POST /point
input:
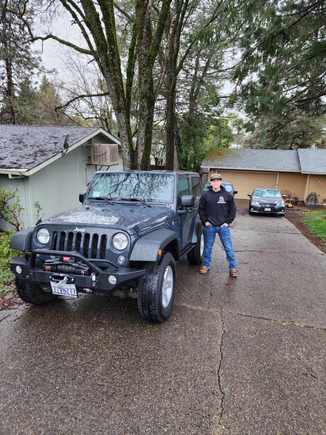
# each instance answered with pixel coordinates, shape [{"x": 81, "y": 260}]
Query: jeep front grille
[{"x": 90, "y": 245}]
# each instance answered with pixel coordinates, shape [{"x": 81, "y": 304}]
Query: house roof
[
  {"x": 308, "y": 161},
  {"x": 312, "y": 161},
  {"x": 24, "y": 148}
]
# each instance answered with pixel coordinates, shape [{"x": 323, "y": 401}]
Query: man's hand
[
  {"x": 225, "y": 225},
  {"x": 208, "y": 224}
]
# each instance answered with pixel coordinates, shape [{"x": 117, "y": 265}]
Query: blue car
[{"x": 266, "y": 201}]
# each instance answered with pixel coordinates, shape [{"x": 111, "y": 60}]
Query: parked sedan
[{"x": 266, "y": 200}]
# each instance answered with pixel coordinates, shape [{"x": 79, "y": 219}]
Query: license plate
[
  {"x": 64, "y": 289},
  {"x": 267, "y": 209}
]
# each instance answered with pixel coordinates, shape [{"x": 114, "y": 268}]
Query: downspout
[
  {"x": 277, "y": 179},
  {"x": 307, "y": 188}
]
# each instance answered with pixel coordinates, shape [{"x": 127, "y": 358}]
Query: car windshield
[
  {"x": 267, "y": 193},
  {"x": 147, "y": 187}
]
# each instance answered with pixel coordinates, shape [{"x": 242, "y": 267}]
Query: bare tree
[{"x": 97, "y": 23}]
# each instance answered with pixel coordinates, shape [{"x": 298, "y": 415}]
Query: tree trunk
[
  {"x": 176, "y": 25},
  {"x": 146, "y": 92},
  {"x": 10, "y": 93}
]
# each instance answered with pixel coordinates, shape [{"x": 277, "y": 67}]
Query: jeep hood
[{"x": 135, "y": 217}]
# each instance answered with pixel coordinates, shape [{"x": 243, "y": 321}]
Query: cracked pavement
[{"x": 243, "y": 356}]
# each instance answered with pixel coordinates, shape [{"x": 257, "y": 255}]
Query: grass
[
  {"x": 316, "y": 222},
  {"x": 6, "y": 277}
]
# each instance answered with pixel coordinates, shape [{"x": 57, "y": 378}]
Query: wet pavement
[{"x": 243, "y": 356}]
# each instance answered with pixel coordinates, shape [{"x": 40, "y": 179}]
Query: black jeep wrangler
[{"x": 128, "y": 234}]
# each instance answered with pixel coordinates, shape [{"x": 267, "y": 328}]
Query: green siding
[{"x": 56, "y": 187}]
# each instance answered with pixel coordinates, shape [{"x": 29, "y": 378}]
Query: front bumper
[
  {"x": 267, "y": 209},
  {"x": 97, "y": 281}
]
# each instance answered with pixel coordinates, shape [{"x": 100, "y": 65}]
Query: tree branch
[{"x": 79, "y": 97}]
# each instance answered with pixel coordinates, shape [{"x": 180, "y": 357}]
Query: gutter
[{"x": 12, "y": 172}]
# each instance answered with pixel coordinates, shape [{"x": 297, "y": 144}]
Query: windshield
[
  {"x": 267, "y": 193},
  {"x": 228, "y": 187},
  {"x": 134, "y": 186}
]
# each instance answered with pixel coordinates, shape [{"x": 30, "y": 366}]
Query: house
[
  {"x": 296, "y": 172},
  {"x": 49, "y": 166}
]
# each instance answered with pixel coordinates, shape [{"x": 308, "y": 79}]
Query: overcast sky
[{"x": 56, "y": 56}]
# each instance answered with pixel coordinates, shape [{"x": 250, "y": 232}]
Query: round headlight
[
  {"x": 120, "y": 241},
  {"x": 43, "y": 236}
]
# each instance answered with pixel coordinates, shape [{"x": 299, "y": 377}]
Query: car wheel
[
  {"x": 156, "y": 291},
  {"x": 195, "y": 255},
  {"x": 33, "y": 293}
]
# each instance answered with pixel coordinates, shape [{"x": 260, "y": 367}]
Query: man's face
[{"x": 216, "y": 184}]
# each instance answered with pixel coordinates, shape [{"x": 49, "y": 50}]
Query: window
[
  {"x": 183, "y": 185},
  {"x": 267, "y": 193},
  {"x": 144, "y": 186},
  {"x": 195, "y": 186}
]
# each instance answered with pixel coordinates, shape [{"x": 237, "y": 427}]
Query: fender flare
[
  {"x": 197, "y": 230},
  {"x": 22, "y": 240},
  {"x": 146, "y": 248}
]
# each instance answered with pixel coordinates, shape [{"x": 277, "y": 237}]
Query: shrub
[
  {"x": 10, "y": 208},
  {"x": 6, "y": 277}
]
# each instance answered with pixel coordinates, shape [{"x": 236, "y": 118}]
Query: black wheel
[
  {"x": 33, "y": 293},
  {"x": 195, "y": 255},
  {"x": 156, "y": 291}
]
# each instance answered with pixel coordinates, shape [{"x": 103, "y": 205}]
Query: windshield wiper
[
  {"x": 120, "y": 198},
  {"x": 100, "y": 198}
]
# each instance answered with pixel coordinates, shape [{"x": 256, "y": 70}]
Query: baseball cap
[{"x": 215, "y": 176}]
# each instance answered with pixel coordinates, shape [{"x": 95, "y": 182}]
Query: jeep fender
[
  {"x": 197, "y": 230},
  {"x": 21, "y": 241},
  {"x": 147, "y": 247}
]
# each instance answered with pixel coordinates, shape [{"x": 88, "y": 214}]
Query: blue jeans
[{"x": 225, "y": 237}]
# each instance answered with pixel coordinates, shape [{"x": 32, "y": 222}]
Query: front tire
[
  {"x": 33, "y": 293},
  {"x": 157, "y": 290}
]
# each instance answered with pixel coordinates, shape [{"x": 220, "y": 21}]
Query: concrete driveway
[{"x": 243, "y": 356}]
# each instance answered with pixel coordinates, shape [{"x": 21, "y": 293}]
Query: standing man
[{"x": 217, "y": 210}]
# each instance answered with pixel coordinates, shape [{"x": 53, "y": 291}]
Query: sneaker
[
  {"x": 203, "y": 269},
  {"x": 233, "y": 273}
]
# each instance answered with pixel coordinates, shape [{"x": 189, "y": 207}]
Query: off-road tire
[
  {"x": 33, "y": 293},
  {"x": 149, "y": 295},
  {"x": 194, "y": 256}
]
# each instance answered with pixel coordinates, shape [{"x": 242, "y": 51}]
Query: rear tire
[
  {"x": 33, "y": 293},
  {"x": 157, "y": 290},
  {"x": 195, "y": 255}
]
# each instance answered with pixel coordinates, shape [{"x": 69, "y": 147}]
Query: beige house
[{"x": 296, "y": 172}]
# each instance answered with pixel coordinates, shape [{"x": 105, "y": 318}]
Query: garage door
[{"x": 246, "y": 181}]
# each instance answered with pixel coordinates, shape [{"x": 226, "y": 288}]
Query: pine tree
[{"x": 17, "y": 61}]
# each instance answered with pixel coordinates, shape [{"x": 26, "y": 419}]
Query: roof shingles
[
  {"x": 302, "y": 160},
  {"x": 24, "y": 147}
]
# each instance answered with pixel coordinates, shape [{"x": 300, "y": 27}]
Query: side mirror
[
  {"x": 249, "y": 194},
  {"x": 82, "y": 197},
  {"x": 284, "y": 196},
  {"x": 235, "y": 192},
  {"x": 187, "y": 201}
]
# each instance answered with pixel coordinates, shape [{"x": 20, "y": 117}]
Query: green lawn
[
  {"x": 6, "y": 277},
  {"x": 316, "y": 222}
]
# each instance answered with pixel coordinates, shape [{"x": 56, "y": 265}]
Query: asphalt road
[{"x": 243, "y": 356}]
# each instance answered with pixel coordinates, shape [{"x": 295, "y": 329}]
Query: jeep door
[{"x": 185, "y": 214}]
